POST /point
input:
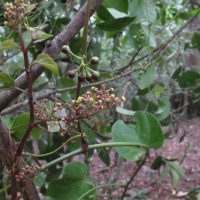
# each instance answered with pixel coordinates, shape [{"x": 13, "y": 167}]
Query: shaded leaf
[
  {"x": 46, "y": 61},
  {"x": 163, "y": 109},
  {"x": 188, "y": 79},
  {"x": 20, "y": 124},
  {"x": 121, "y": 5},
  {"x": 157, "y": 163},
  {"x": 176, "y": 172},
  {"x": 104, "y": 156},
  {"x": 6, "y": 81},
  {"x": 74, "y": 183},
  {"x": 115, "y": 24},
  {"x": 7, "y": 44},
  {"x": 104, "y": 14}
]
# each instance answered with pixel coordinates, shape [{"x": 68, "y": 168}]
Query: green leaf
[
  {"x": 104, "y": 156},
  {"x": 146, "y": 78},
  {"x": 46, "y": 61},
  {"x": 144, "y": 10},
  {"x": 188, "y": 79},
  {"x": 177, "y": 72},
  {"x": 74, "y": 183},
  {"x": 164, "y": 173},
  {"x": 176, "y": 172},
  {"x": 124, "y": 133},
  {"x": 149, "y": 130},
  {"x": 20, "y": 124},
  {"x": 41, "y": 36},
  {"x": 104, "y": 14},
  {"x": 121, "y": 5},
  {"x": 158, "y": 90},
  {"x": 6, "y": 81},
  {"x": 193, "y": 195},
  {"x": 115, "y": 24},
  {"x": 124, "y": 111},
  {"x": 196, "y": 41},
  {"x": 163, "y": 109},
  {"x": 7, "y": 44},
  {"x": 157, "y": 163}
]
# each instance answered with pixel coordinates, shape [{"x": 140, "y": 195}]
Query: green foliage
[
  {"x": 74, "y": 183},
  {"x": 147, "y": 131},
  {"x": 20, "y": 124},
  {"x": 144, "y": 10},
  {"x": 46, "y": 61},
  {"x": 6, "y": 81},
  {"x": 140, "y": 57},
  {"x": 115, "y": 24},
  {"x": 7, "y": 44}
]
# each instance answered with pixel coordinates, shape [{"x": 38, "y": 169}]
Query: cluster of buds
[
  {"x": 65, "y": 116},
  {"x": 16, "y": 12},
  {"x": 84, "y": 71},
  {"x": 28, "y": 172}
]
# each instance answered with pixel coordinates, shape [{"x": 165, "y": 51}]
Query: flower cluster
[
  {"x": 15, "y": 12},
  {"x": 63, "y": 118},
  {"x": 28, "y": 171}
]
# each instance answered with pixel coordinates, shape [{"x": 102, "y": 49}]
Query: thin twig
[{"x": 134, "y": 175}]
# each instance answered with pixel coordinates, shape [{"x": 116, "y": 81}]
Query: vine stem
[
  {"x": 91, "y": 147},
  {"x": 100, "y": 186}
]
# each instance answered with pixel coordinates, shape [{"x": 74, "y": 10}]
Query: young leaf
[
  {"x": 46, "y": 61},
  {"x": 7, "y": 44},
  {"x": 6, "y": 81}
]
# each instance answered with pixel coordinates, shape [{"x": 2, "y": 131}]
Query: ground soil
[{"x": 146, "y": 181}]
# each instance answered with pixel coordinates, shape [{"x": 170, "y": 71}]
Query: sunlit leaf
[{"x": 46, "y": 61}]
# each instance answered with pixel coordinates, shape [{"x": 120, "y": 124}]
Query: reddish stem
[{"x": 30, "y": 96}]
